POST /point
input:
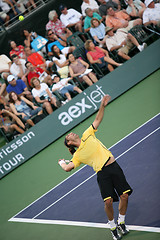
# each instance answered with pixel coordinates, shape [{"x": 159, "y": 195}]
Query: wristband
[{"x": 61, "y": 162}]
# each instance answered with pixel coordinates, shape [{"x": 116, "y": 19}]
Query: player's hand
[
  {"x": 61, "y": 161},
  {"x": 106, "y": 99}
]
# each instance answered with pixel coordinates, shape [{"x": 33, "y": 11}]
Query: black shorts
[{"x": 111, "y": 181}]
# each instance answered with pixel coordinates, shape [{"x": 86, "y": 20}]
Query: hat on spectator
[
  {"x": 62, "y": 7},
  {"x": 107, "y": 29},
  {"x": 10, "y": 78},
  {"x": 53, "y": 76},
  {"x": 147, "y": 2}
]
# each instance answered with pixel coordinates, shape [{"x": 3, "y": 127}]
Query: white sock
[
  {"x": 139, "y": 47},
  {"x": 121, "y": 218},
  {"x": 112, "y": 224}
]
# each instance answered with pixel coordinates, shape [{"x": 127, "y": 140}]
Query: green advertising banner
[{"x": 81, "y": 107}]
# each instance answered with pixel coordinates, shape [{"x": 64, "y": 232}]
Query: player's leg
[
  {"x": 123, "y": 189},
  {"x": 109, "y": 195}
]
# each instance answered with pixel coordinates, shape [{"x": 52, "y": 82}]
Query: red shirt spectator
[
  {"x": 57, "y": 26},
  {"x": 97, "y": 54},
  {"x": 18, "y": 50},
  {"x": 35, "y": 73},
  {"x": 36, "y": 59}
]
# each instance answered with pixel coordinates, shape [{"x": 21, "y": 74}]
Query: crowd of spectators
[{"x": 37, "y": 82}]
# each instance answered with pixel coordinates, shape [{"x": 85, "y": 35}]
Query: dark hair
[
  {"x": 54, "y": 53},
  {"x": 10, "y": 43},
  {"x": 14, "y": 56},
  {"x": 10, "y": 97},
  {"x": 109, "y": 6},
  {"x": 32, "y": 80},
  {"x": 47, "y": 31},
  {"x": 1, "y": 106},
  {"x": 71, "y": 148},
  {"x": 68, "y": 54},
  {"x": 27, "y": 63},
  {"x": 87, "y": 10}
]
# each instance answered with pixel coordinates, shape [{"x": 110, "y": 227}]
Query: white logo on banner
[{"x": 80, "y": 107}]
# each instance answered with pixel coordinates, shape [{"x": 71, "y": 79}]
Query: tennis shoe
[
  {"x": 115, "y": 234},
  {"x": 123, "y": 228},
  {"x": 142, "y": 47}
]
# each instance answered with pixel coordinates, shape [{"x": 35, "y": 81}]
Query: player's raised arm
[{"x": 100, "y": 113}]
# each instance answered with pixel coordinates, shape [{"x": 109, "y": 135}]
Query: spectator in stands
[
  {"x": 122, "y": 41},
  {"x": 71, "y": 18},
  {"x": 9, "y": 8},
  {"x": 18, "y": 50},
  {"x": 100, "y": 56},
  {"x": 97, "y": 31},
  {"x": 42, "y": 95},
  {"x": 19, "y": 87},
  {"x": 120, "y": 19},
  {"x": 89, "y": 4},
  {"x": 79, "y": 68},
  {"x": 18, "y": 68},
  {"x": 152, "y": 13},
  {"x": 5, "y": 64},
  {"x": 38, "y": 72},
  {"x": 3, "y": 92},
  {"x": 4, "y": 18},
  {"x": 89, "y": 15},
  {"x": 10, "y": 122},
  {"x": 63, "y": 87},
  {"x": 21, "y": 5},
  {"x": 61, "y": 62},
  {"x": 57, "y": 26},
  {"x": 54, "y": 40},
  {"x": 24, "y": 108},
  {"x": 36, "y": 59},
  {"x": 104, "y": 5},
  {"x": 29, "y": 4},
  {"x": 29, "y": 37},
  {"x": 135, "y": 8}
]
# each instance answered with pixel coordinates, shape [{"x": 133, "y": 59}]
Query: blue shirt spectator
[{"x": 18, "y": 86}]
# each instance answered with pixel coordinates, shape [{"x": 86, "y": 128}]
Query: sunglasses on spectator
[{"x": 50, "y": 34}]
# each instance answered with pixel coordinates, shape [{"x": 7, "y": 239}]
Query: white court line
[
  {"x": 84, "y": 224},
  {"x": 13, "y": 219},
  {"x": 94, "y": 174},
  {"x": 138, "y": 143},
  {"x": 65, "y": 195}
]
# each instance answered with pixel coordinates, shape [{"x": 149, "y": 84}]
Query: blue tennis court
[{"x": 77, "y": 200}]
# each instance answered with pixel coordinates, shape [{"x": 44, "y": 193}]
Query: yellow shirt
[{"x": 91, "y": 151}]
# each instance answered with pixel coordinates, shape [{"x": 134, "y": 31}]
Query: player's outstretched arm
[
  {"x": 66, "y": 167},
  {"x": 100, "y": 113}
]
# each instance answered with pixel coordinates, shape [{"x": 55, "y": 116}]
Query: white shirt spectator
[
  {"x": 5, "y": 7},
  {"x": 61, "y": 60},
  {"x": 40, "y": 92},
  {"x": 117, "y": 39},
  {"x": 137, "y": 5},
  {"x": 61, "y": 84},
  {"x": 4, "y": 63},
  {"x": 92, "y": 4},
  {"x": 15, "y": 69},
  {"x": 151, "y": 14},
  {"x": 71, "y": 17}
]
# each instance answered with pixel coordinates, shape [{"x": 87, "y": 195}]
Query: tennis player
[{"x": 110, "y": 177}]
